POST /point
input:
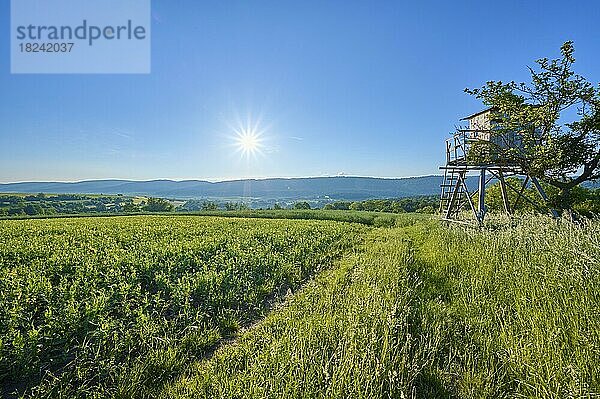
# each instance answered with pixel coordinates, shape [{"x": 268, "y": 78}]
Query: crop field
[
  {"x": 209, "y": 307},
  {"x": 103, "y": 307}
]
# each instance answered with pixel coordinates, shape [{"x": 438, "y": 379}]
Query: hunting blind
[{"x": 477, "y": 150}]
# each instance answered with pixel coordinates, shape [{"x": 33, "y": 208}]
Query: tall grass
[
  {"x": 430, "y": 311},
  {"x": 521, "y": 305},
  {"x": 347, "y": 334}
]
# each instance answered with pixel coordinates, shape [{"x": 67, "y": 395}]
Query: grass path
[{"x": 429, "y": 311}]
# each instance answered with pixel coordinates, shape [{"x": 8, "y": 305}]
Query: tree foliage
[
  {"x": 236, "y": 206},
  {"x": 52, "y": 204},
  {"x": 584, "y": 201},
  {"x": 158, "y": 205},
  {"x": 563, "y": 154},
  {"x": 302, "y": 205},
  {"x": 421, "y": 204},
  {"x": 209, "y": 206}
]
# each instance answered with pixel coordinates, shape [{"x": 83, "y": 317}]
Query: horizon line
[{"x": 213, "y": 180}]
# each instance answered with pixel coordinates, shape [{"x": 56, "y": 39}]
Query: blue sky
[{"x": 368, "y": 88}]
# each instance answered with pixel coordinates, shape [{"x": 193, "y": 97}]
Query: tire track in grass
[{"x": 350, "y": 332}]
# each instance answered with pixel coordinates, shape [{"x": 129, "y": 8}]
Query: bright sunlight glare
[{"x": 248, "y": 141}]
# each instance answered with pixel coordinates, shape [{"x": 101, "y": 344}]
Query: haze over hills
[
  {"x": 349, "y": 188},
  {"x": 355, "y": 188}
]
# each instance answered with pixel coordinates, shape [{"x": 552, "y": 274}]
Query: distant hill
[{"x": 350, "y": 188}]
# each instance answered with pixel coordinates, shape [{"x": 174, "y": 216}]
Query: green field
[
  {"x": 429, "y": 311},
  {"x": 378, "y": 219},
  {"x": 207, "y": 307},
  {"x": 117, "y": 306}
]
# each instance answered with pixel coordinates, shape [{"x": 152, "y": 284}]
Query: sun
[
  {"x": 248, "y": 142},
  {"x": 248, "y": 137}
]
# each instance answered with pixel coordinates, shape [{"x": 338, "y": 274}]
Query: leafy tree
[
  {"x": 276, "y": 206},
  {"x": 33, "y": 209},
  {"x": 561, "y": 154},
  {"x": 209, "y": 206},
  {"x": 302, "y": 205},
  {"x": 236, "y": 206},
  {"x": 342, "y": 205},
  {"x": 590, "y": 204},
  {"x": 494, "y": 202},
  {"x": 356, "y": 206},
  {"x": 15, "y": 211},
  {"x": 338, "y": 205},
  {"x": 584, "y": 201},
  {"x": 130, "y": 207},
  {"x": 396, "y": 207},
  {"x": 158, "y": 205}
]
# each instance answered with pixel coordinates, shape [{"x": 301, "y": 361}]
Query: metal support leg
[
  {"x": 540, "y": 190},
  {"x": 504, "y": 193},
  {"x": 520, "y": 193},
  {"x": 481, "y": 196}
]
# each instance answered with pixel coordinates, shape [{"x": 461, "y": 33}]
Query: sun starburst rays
[
  {"x": 248, "y": 143},
  {"x": 249, "y": 140}
]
